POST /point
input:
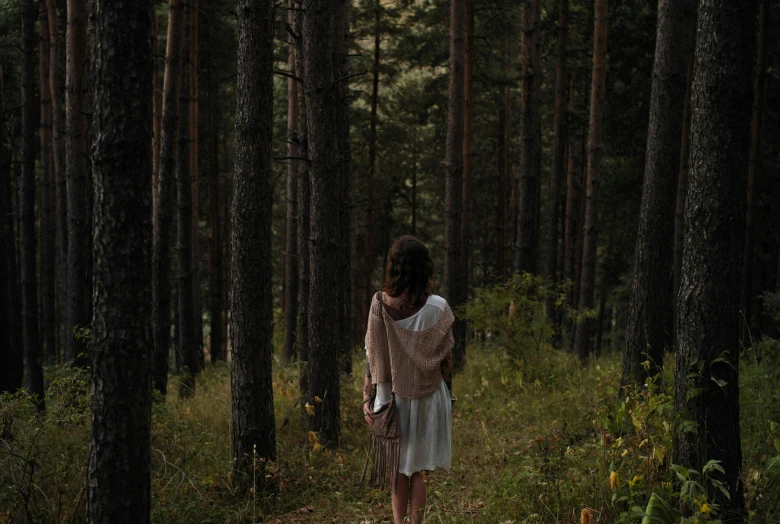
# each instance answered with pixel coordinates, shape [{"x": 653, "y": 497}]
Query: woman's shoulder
[{"x": 437, "y": 302}]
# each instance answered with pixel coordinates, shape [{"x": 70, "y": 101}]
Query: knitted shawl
[{"x": 410, "y": 360}]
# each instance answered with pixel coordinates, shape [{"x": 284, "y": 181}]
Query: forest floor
[{"x": 540, "y": 441}]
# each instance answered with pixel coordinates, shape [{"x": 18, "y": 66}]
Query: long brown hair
[{"x": 409, "y": 268}]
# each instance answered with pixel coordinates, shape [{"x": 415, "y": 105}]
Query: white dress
[{"x": 425, "y": 423}]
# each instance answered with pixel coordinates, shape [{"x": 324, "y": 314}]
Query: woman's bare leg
[
  {"x": 418, "y": 496},
  {"x": 400, "y": 497}
]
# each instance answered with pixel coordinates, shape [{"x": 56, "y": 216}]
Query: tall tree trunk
[
  {"x": 119, "y": 471},
  {"x": 251, "y": 295},
  {"x": 58, "y": 163},
  {"x": 341, "y": 27},
  {"x": 156, "y": 110},
  {"x": 468, "y": 117},
  {"x": 322, "y": 108},
  {"x": 163, "y": 217},
  {"x": 454, "y": 286},
  {"x": 32, "y": 343},
  {"x": 291, "y": 216},
  {"x": 79, "y": 235},
  {"x": 572, "y": 228},
  {"x": 49, "y": 325},
  {"x": 749, "y": 287},
  {"x": 582, "y": 342},
  {"x": 559, "y": 146},
  {"x": 195, "y": 178},
  {"x": 11, "y": 344},
  {"x": 510, "y": 209},
  {"x": 531, "y": 142},
  {"x": 648, "y": 315},
  {"x": 188, "y": 363},
  {"x": 218, "y": 352},
  {"x": 708, "y": 309},
  {"x": 682, "y": 177}
]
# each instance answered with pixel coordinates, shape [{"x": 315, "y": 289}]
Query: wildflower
[
  {"x": 586, "y": 516},
  {"x": 625, "y": 452},
  {"x": 614, "y": 480},
  {"x": 309, "y": 409},
  {"x": 705, "y": 509},
  {"x": 633, "y": 482}
]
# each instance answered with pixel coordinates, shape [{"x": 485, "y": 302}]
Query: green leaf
[
  {"x": 719, "y": 382},
  {"x": 777, "y": 444},
  {"x": 660, "y": 512}
]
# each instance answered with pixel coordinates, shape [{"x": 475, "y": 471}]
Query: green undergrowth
[{"x": 540, "y": 441}]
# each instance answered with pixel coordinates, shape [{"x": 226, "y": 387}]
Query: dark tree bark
[
  {"x": 708, "y": 301},
  {"x": 682, "y": 177},
  {"x": 58, "y": 163},
  {"x": 322, "y": 107},
  {"x": 161, "y": 249},
  {"x": 250, "y": 288},
  {"x": 648, "y": 315},
  {"x": 217, "y": 335},
  {"x": 501, "y": 190},
  {"x": 291, "y": 215},
  {"x": 156, "y": 109},
  {"x": 455, "y": 286},
  {"x": 527, "y": 253},
  {"x": 559, "y": 146},
  {"x": 572, "y": 229},
  {"x": 79, "y": 234},
  {"x": 749, "y": 287},
  {"x": 187, "y": 361},
  {"x": 11, "y": 345},
  {"x": 48, "y": 320},
  {"x": 582, "y": 342},
  {"x": 32, "y": 343},
  {"x": 195, "y": 178},
  {"x": 118, "y": 475},
  {"x": 468, "y": 117}
]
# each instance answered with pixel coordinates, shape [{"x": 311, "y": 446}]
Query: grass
[{"x": 534, "y": 443}]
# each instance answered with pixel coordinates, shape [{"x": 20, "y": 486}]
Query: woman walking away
[{"x": 409, "y": 358}]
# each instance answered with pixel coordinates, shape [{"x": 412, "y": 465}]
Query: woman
[{"x": 410, "y": 333}]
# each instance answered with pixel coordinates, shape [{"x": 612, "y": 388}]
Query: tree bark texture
[
  {"x": 78, "y": 178},
  {"x": 291, "y": 214},
  {"x": 648, "y": 315},
  {"x": 559, "y": 147},
  {"x": 322, "y": 106},
  {"x": 194, "y": 69},
  {"x": 749, "y": 287},
  {"x": 11, "y": 341},
  {"x": 250, "y": 288},
  {"x": 706, "y": 380},
  {"x": 468, "y": 118},
  {"x": 455, "y": 285},
  {"x": 48, "y": 320},
  {"x": 156, "y": 109},
  {"x": 32, "y": 343},
  {"x": 582, "y": 342},
  {"x": 527, "y": 253},
  {"x": 163, "y": 218},
  {"x": 119, "y": 470},
  {"x": 188, "y": 363},
  {"x": 58, "y": 164}
]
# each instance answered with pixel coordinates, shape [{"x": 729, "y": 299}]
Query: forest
[{"x": 198, "y": 197}]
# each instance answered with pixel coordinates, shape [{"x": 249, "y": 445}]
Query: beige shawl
[{"x": 410, "y": 360}]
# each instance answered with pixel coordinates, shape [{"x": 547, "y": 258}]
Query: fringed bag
[{"x": 384, "y": 445}]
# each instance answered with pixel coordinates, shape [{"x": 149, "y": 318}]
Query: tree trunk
[
  {"x": 216, "y": 349},
  {"x": 156, "y": 110},
  {"x": 32, "y": 343},
  {"x": 531, "y": 142},
  {"x": 501, "y": 190},
  {"x": 188, "y": 363},
  {"x": 49, "y": 323},
  {"x": 454, "y": 285},
  {"x": 58, "y": 163},
  {"x": 749, "y": 287},
  {"x": 322, "y": 112},
  {"x": 559, "y": 146},
  {"x": 572, "y": 230},
  {"x": 582, "y": 342},
  {"x": 707, "y": 376},
  {"x": 163, "y": 218},
  {"x": 250, "y": 288},
  {"x": 648, "y": 312},
  {"x": 468, "y": 117},
  {"x": 510, "y": 187},
  {"x": 195, "y": 178},
  {"x": 682, "y": 178},
  {"x": 11, "y": 374},
  {"x": 291, "y": 217},
  {"x": 78, "y": 178},
  {"x": 119, "y": 470}
]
